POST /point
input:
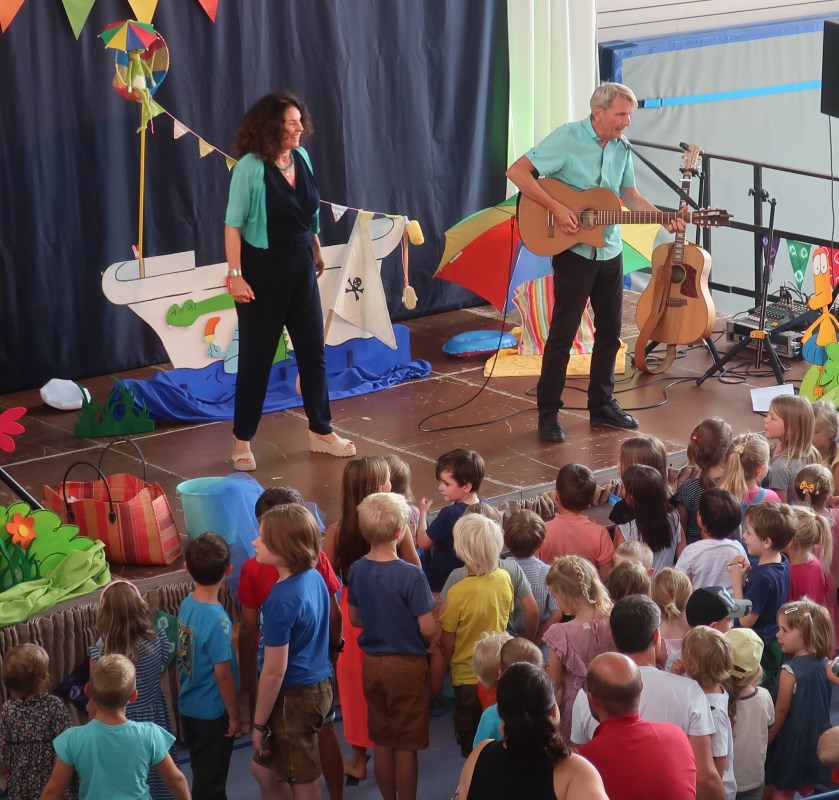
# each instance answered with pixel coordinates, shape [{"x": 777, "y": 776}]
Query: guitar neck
[{"x": 641, "y": 217}]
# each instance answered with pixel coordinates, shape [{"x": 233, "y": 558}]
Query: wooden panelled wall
[{"x": 629, "y": 19}]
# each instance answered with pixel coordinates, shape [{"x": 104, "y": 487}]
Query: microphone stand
[{"x": 760, "y": 334}]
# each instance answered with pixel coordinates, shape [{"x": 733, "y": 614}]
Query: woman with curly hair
[
  {"x": 532, "y": 760},
  {"x": 274, "y": 260}
]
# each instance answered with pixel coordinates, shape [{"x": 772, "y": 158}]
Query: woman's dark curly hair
[
  {"x": 261, "y": 129},
  {"x": 526, "y": 703}
]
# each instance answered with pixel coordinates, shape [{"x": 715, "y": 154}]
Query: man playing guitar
[{"x": 585, "y": 154}]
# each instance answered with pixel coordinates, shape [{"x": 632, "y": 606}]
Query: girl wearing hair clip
[
  {"x": 125, "y": 628},
  {"x": 802, "y": 707}
]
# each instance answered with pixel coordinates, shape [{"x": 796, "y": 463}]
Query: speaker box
[{"x": 830, "y": 69}]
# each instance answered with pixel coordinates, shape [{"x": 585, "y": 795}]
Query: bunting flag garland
[
  {"x": 833, "y": 254},
  {"x": 211, "y": 7},
  {"x": 230, "y": 161},
  {"x": 799, "y": 256},
  {"x": 771, "y": 254},
  {"x": 337, "y": 211},
  {"x": 8, "y": 10},
  {"x": 143, "y": 9},
  {"x": 77, "y": 12},
  {"x": 204, "y": 148},
  {"x": 178, "y": 130}
]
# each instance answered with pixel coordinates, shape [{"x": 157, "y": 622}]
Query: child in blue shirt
[
  {"x": 207, "y": 673},
  {"x": 768, "y": 529},
  {"x": 391, "y": 602},
  {"x": 112, "y": 754}
]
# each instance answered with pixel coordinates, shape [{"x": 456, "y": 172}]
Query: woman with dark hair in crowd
[{"x": 532, "y": 760}]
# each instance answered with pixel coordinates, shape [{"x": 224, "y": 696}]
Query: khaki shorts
[
  {"x": 396, "y": 690},
  {"x": 298, "y": 715}
]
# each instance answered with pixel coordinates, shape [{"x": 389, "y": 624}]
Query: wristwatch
[{"x": 234, "y": 273}]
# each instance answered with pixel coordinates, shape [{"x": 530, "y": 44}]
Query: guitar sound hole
[
  {"x": 677, "y": 274},
  {"x": 587, "y": 218}
]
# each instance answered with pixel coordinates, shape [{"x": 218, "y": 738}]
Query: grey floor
[{"x": 439, "y": 768}]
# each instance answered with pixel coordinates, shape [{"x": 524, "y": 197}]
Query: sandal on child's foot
[{"x": 244, "y": 462}]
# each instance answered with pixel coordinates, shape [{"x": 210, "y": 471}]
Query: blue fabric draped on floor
[{"x": 359, "y": 366}]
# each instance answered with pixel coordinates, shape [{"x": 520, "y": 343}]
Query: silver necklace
[{"x": 290, "y": 164}]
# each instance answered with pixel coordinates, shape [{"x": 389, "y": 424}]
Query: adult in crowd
[
  {"x": 589, "y": 153},
  {"x": 532, "y": 760},
  {"x": 636, "y": 758},
  {"x": 274, "y": 260},
  {"x": 665, "y": 697}
]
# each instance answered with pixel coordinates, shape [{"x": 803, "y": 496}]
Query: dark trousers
[
  {"x": 209, "y": 751},
  {"x": 286, "y": 296},
  {"x": 577, "y": 279}
]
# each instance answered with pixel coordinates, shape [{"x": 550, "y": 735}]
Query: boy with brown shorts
[{"x": 390, "y": 600}]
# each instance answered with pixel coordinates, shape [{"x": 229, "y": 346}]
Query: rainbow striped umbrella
[{"x": 128, "y": 34}]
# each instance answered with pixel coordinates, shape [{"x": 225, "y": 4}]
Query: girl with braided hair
[
  {"x": 575, "y": 585},
  {"x": 532, "y": 760}
]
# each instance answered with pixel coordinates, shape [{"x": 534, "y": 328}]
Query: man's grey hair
[{"x": 607, "y": 92}]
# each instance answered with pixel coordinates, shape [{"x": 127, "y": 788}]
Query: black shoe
[
  {"x": 610, "y": 413},
  {"x": 549, "y": 430}
]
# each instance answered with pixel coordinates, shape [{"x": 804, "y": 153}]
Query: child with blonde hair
[
  {"x": 113, "y": 754},
  {"x": 125, "y": 627},
  {"x": 515, "y": 650},
  {"x": 707, "y": 658},
  {"x": 670, "y": 591},
  {"x": 486, "y": 658},
  {"x": 578, "y": 591},
  {"x": 825, "y": 434},
  {"x": 635, "y": 551},
  {"x": 746, "y": 465},
  {"x": 751, "y": 711},
  {"x": 789, "y": 427},
  {"x": 30, "y": 716},
  {"x": 709, "y": 442},
  {"x": 482, "y": 601},
  {"x": 808, "y": 574},
  {"x": 400, "y": 483},
  {"x": 802, "y": 706},
  {"x": 627, "y": 578}
]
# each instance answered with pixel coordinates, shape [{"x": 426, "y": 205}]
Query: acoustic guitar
[
  {"x": 676, "y": 307},
  {"x": 595, "y": 210}
]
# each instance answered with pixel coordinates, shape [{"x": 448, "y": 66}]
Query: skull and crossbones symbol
[{"x": 354, "y": 287}]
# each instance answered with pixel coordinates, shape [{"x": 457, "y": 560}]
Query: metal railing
[{"x": 757, "y": 228}]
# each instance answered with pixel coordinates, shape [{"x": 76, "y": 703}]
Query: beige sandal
[
  {"x": 340, "y": 448},
  {"x": 244, "y": 462}
]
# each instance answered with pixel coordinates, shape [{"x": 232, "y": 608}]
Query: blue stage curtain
[{"x": 409, "y": 101}]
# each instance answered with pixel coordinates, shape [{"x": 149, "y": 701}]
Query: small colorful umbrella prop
[
  {"x": 141, "y": 64},
  {"x": 484, "y": 254}
]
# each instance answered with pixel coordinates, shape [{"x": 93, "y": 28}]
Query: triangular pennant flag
[
  {"x": 77, "y": 12},
  {"x": 230, "y": 161},
  {"x": 338, "y": 211},
  {"x": 203, "y": 148},
  {"x": 178, "y": 129},
  {"x": 211, "y": 7},
  {"x": 8, "y": 10},
  {"x": 799, "y": 256},
  {"x": 771, "y": 254},
  {"x": 361, "y": 297},
  {"x": 143, "y": 9}
]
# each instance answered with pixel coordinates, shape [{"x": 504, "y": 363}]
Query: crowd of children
[{"x": 721, "y": 592}]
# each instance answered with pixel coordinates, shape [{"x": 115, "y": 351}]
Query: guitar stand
[
  {"x": 760, "y": 335},
  {"x": 708, "y": 342}
]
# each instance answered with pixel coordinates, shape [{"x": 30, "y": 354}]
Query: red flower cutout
[
  {"x": 9, "y": 426},
  {"x": 22, "y": 530}
]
